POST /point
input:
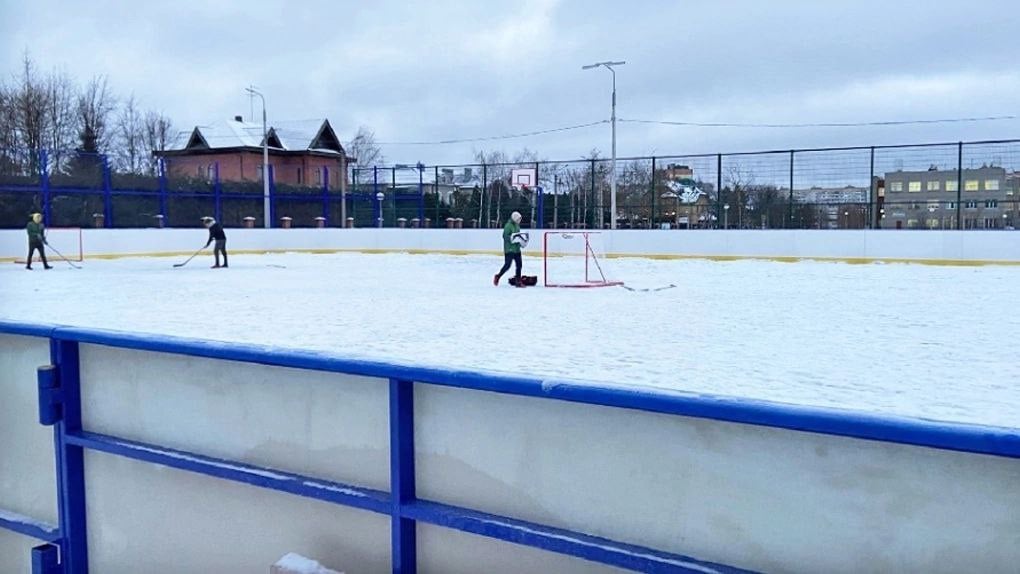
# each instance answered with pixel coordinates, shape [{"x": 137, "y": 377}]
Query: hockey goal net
[
  {"x": 66, "y": 241},
  {"x": 575, "y": 259}
]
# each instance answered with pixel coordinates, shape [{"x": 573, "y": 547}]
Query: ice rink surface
[{"x": 914, "y": 340}]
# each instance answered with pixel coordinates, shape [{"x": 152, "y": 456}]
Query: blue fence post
[
  {"x": 107, "y": 193},
  {"x": 46, "y": 559},
  {"x": 70, "y": 459},
  {"x": 421, "y": 194},
  {"x": 325, "y": 193},
  {"x": 539, "y": 202},
  {"x": 44, "y": 183},
  {"x": 217, "y": 193},
  {"x": 377, "y": 212},
  {"x": 402, "y": 476},
  {"x": 272, "y": 196},
  {"x": 161, "y": 166}
]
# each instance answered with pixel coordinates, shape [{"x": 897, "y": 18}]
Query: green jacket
[
  {"x": 36, "y": 231},
  {"x": 508, "y": 230}
]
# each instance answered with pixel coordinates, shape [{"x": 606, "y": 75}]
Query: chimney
[{"x": 238, "y": 118}]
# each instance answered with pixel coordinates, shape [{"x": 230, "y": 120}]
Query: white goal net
[
  {"x": 576, "y": 259},
  {"x": 66, "y": 241}
]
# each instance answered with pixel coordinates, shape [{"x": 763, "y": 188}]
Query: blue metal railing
[{"x": 401, "y": 503}]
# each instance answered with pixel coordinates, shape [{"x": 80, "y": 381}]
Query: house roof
[{"x": 288, "y": 136}]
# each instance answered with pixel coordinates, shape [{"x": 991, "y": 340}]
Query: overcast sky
[{"x": 443, "y": 70}]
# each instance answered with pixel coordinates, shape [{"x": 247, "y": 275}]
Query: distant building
[
  {"x": 301, "y": 153},
  {"x": 928, "y": 199}
]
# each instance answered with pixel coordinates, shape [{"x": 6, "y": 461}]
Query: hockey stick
[
  {"x": 61, "y": 255},
  {"x": 193, "y": 255},
  {"x": 650, "y": 289}
]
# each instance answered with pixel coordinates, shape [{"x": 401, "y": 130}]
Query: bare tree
[
  {"x": 30, "y": 105},
  {"x": 95, "y": 105},
  {"x": 59, "y": 133},
  {"x": 364, "y": 148},
  {"x": 130, "y": 137},
  {"x": 9, "y": 157},
  {"x": 157, "y": 136}
]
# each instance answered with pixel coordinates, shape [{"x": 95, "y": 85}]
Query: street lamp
[
  {"x": 379, "y": 197},
  {"x": 612, "y": 175},
  {"x": 265, "y": 159},
  {"x": 676, "y": 208},
  {"x": 726, "y": 216},
  {"x": 846, "y": 220}
]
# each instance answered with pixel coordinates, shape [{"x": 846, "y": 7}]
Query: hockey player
[
  {"x": 511, "y": 250},
  {"x": 216, "y": 234},
  {"x": 36, "y": 240}
]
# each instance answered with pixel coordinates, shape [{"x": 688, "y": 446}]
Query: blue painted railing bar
[
  {"x": 46, "y": 560},
  {"x": 404, "y": 547},
  {"x": 60, "y": 405},
  {"x": 998, "y": 441},
  {"x": 70, "y": 459},
  {"x": 28, "y": 526},
  {"x": 306, "y": 486},
  {"x": 561, "y": 541}
]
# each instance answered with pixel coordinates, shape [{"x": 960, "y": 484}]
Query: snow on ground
[{"x": 915, "y": 340}]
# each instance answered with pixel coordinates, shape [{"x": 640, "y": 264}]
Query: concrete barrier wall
[
  {"x": 933, "y": 246},
  {"x": 753, "y": 496}
]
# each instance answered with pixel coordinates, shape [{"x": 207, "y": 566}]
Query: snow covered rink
[{"x": 915, "y": 340}]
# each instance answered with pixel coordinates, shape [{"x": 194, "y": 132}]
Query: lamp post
[
  {"x": 846, "y": 220},
  {"x": 612, "y": 174},
  {"x": 265, "y": 159},
  {"x": 379, "y": 197},
  {"x": 931, "y": 212},
  {"x": 726, "y": 216},
  {"x": 1004, "y": 218}
]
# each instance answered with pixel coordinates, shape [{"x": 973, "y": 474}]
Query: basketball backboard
[{"x": 521, "y": 177}]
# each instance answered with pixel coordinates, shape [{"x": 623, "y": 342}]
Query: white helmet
[{"x": 515, "y": 217}]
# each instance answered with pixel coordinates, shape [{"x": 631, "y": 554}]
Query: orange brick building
[{"x": 298, "y": 152}]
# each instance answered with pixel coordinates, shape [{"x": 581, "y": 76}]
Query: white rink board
[
  {"x": 16, "y": 552},
  {"x": 325, "y": 425},
  {"x": 152, "y": 519},
  {"x": 839, "y": 244},
  {"x": 27, "y": 464},
  {"x": 760, "y": 498}
]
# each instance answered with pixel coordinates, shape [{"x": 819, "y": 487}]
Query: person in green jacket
[
  {"x": 511, "y": 249},
  {"x": 36, "y": 240}
]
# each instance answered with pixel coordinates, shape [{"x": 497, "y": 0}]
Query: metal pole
[
  {"x": 789, "y": 210},
  {"x": 872, "y": 212},
  {"x": 959, "y": 185},
  {"x": 266, "y": 204},
  {"x": 718, "y": 188},
  {"x": 651, "y": 221},
  {"x": 612, "y": 176}
]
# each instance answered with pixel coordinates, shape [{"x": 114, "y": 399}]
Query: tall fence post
[
  {"x": 325, "y": 193},
  {"x": 598, "y": 202},
  {"x": 272, "y": 195},
  {"x": 789, "y": 207},
  {"x": 421, "y": 193},
  {"x": 539, "y": 201},
  {"x": 217, "y": 193},
  {"x": 959, "y": 186},
  {"x": 653, "y": 218},
  {"x": 484, "y": 221},
  {"x": 44, "y": 182},
  {"x": 393, "y": 192},
  {"x": 718, "y": 191},
  {"x": 107, "y": 194},
  {"x": 439, "y": 196},
  {"x": 161, "y": 168},
  {"x": 377, "y": 212},
  {"x": 873, "y": 213},
  {"x": 70, "y": 459}
]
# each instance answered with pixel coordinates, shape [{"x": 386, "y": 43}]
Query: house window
[
  {"x": 992, "y": 203},
  {"x": 952, "y": 185},
  {"x": 300, "y": 176},
  {"x": 932, "y": 206},
  {"x": 933, "y": 223},
  {"x": 971, "y": 185},
  {"x": 318, "y": 176},
  {"x": 912, "y": 224},
  {"x": 991, "y": 185},
  {"x": 951, "y": 205},
  {"x": 991, "y": 223},
  {"x": 896, "y": 186},
  {"x": 915, "y": 206},
  {"x": 210, "y": 172},
  {"x": 915, "y": 186},
  {"x": 970, "y": 205},
  {"x": 258, "y": 172},
  {"x": 933, "y": 185},
  {"x": 970, "y": 223}
]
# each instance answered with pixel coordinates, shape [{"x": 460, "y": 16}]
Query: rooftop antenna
[{"x": 251, "y": 104}]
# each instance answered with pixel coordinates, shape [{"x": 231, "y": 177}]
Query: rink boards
[{"x": 174, "y": 455}]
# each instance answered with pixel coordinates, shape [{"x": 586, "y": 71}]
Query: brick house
[{"x": 301, "y": 153}]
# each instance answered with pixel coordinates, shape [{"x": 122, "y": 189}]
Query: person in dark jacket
[
  {"x": 511, "y": 250},
  {"x": 216, "y": 234},
  {"x": 36, "y": 240}
]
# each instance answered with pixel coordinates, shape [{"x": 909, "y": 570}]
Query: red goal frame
[
  {"x": 73, "y": 257},
  {"x": 590, "y": 260}
]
